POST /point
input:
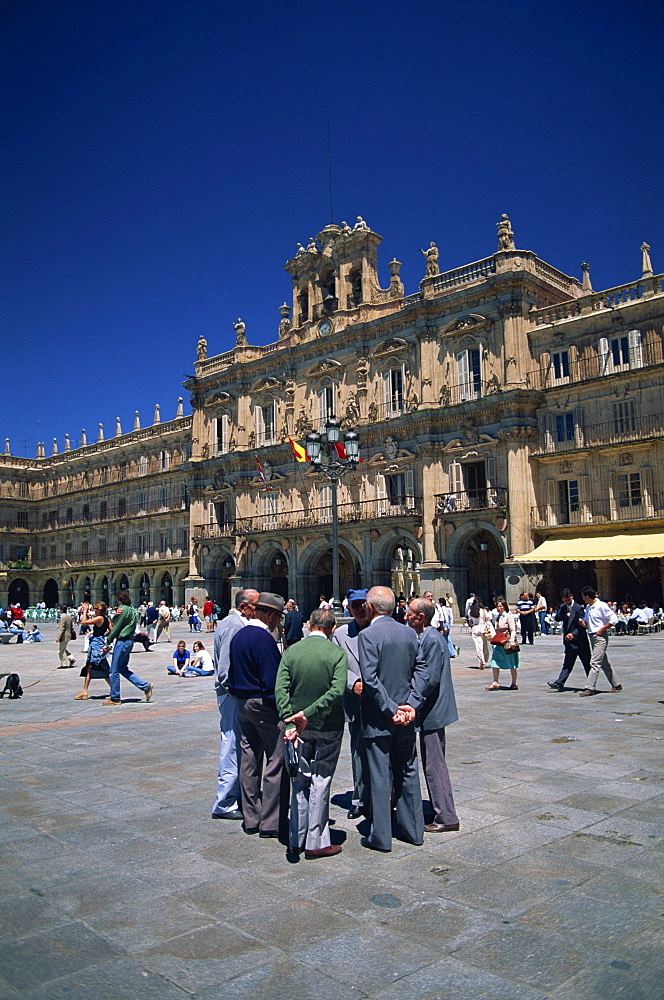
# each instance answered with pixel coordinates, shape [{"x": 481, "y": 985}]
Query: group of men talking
[{"x": 383, "y": 678}]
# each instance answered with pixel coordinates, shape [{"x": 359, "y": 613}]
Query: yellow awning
[{"x": 636, "y": 546}]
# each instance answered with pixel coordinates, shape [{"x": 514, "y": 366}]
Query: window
[
  {"x": 103, "y": 510},
  {"x": 101, "y": 546},
  {"x": 70, "y": 515},
  {"x": 122, "y": 506},
  {"x": 143, "y": 465},
  {"x": 103, "y": 474},
  {"x": 469, "y": 374},
  {"x": 68, "y": 550},
  {"x": 564, "y": 427},
  {"x": 53, "y": 553},
  {"x": 393, "y": 391},
  {"x": 400, "y": 489},
  {"x": 568, "y": 499},
  {"x": 23, "y": 491},
  {"x": 53, "y": 519},
  {"x": 629, "y": 489},
  {"x": 220, "y": 435},
  {"x": 560, "y": 366},
  {"x": 186, "y": 452},
  {"x": 85, "y": 548},
  {"x": 141, "y": 501},
  {"x": 269, "y": 510},
  {"x": 624, "y": 417},
  {"x": 326, "y": 406},
  {"x": 85, "y": 512},
  {"x": 141, "y": 543},
  {"x": 264, "y": 421},
  {"x": 617, "y": 354},
  {"x": 163, "y": 496},
  {"x": 22, "y": 519},
  {"x": 164, "y": 461},
  {"x": 122, "y": 471},
  {"x": 183, "y": 539},
  {"x": 44, "y": 519},
  {"x": 165, "y": 542},
  {"x": 121, "y": 544}
]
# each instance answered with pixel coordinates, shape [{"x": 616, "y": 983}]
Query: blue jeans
[
  {"x": 120, "y": 665},
  {"x": 450, "y": 645},
  {"x": 544, "y": 628},
  {"x": 228, "y": 782}
]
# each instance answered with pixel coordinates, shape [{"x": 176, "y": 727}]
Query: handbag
[
  {"x": 499, "y": 639},
  {"x": 488, "y": 630},
  {"x": 511, "y": 647}
]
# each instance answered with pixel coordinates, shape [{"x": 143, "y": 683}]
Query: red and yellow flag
[{"x": 299, "y": 452}]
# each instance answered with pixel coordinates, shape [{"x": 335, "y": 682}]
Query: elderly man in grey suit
[
  {"x": 394, "y": 685},
  {"x": 439, "y": 710},
  {"x": 346, "y": 636},
  {"x": 228, "y": 788}
]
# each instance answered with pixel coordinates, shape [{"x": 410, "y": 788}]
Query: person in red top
[{"x": 208, "y": 609}]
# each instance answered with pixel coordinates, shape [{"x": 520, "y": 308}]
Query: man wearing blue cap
[{"x": 346, "y": 637}]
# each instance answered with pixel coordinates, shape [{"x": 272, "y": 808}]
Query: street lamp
[{"x": 329, "y": 456}]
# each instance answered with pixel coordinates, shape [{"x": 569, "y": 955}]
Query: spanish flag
[{"x": 299, "y": 452}]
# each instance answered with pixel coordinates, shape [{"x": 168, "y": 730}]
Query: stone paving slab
[{"x": 115, "y": 881}]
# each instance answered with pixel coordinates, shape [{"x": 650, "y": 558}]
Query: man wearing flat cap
[{"x": 254, "y": 659}]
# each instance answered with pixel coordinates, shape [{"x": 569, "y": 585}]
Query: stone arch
[
  {"x": 19, "y": 593},
  {"x": 219, "y": 568},
  {"x": 166, "y": 589},
  {"x": 473, "y": 568},
  {"x": 269, "y": 568},
  {"x": 87, "y": 589},
  {"x": 390, "y": 569},
  {"x": 51, "y": 593},
  {"x": 144, "y": 587},
  {"x": 314, "y": 571},
  {"x": 123, "y": 582}
]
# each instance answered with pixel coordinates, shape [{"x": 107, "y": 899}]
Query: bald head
[
  {"x": 380, "y": 601},
  {"x": 245, "y": 601}
]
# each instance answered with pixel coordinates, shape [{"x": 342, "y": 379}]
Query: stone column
[
  {"x": 430, "y": 566},
  {"x": 521, "y": 496}
]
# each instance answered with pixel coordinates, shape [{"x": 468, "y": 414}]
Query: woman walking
[
  {"x": 480, "y": 630},
  {"x": 506, "y": 649},
  {"x": 96, "y": 665}
]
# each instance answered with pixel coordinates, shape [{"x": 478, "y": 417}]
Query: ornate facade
[{"x": 506, "y": 412}]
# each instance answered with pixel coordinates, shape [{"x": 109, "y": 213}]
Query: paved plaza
[{"x": 116, "y": 882}]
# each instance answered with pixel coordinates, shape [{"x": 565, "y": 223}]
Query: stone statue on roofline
[
  {"x": 505, "y": 234},
  {"x": 240, "y": 338},
  {"x": 201, "y": 348},
  {"x": 431, "y": 255}
]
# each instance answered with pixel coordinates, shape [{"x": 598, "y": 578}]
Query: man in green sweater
[
  {"x": 124, "y": 626},
  {"x": 311, "y": 680}
]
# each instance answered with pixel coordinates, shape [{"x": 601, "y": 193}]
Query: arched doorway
[
  {"x": 166, "y": 593},
  {"x": 278, "y": 573},
  {"x": 105, "y": 591},
  {"x": 405, "y": 571},
  {"x": 19, "y": 593},
  {"x": 144, "y": 588},
  {"x": 218, "y": 570},
  {"x": 51, "y": 594},
  {"x": 124, "y": 582},
  {"x": 71, "y": 594},
  {"x": 483, "y": 559},
  {"x": 323, "y": 571},
  {"x": 87, "y": 589}
]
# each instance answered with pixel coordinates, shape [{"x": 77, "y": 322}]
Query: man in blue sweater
[{"x": 254, "y": 660}]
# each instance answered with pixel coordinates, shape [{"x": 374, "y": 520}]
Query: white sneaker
[{"x": 72, "y": 661}]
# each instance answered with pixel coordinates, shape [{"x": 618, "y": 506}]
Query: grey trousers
[
  {"x": 261, "y": 757},
  {"x": 434, "y": 765},
  {"x": 358, "y": 751},
  {"x": 600, "y": 661},
  {"x": 63, "y": 652},
  {"x": 393, "y": 765},
  {"x": 309, "y": 825}
]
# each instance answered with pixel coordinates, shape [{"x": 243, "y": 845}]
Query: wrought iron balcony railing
[
  {"x": 623, "y": 429},
  {"x": 490, "y": 498},
  {"x": 602, "y": 511}
]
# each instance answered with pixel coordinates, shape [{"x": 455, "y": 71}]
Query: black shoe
[
  {"x": 235, "y": 814},
  {"x": 555, "y": 685},
  {"x": 251, "y": 830},
  {"x": 365, "y": 842},
  {"x": 268, "y": 834},
  {"x": 355, "y": 812}
]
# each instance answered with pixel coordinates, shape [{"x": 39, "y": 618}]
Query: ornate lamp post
[{"x": 325, "y": 454}]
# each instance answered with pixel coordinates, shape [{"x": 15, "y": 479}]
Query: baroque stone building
[{"x": 510, "y": 423}]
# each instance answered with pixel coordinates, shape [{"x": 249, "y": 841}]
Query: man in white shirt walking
[{"x": 598, "y": 619}]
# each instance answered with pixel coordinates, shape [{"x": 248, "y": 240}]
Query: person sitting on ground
[
  {"x": 181, "y": 658},
  {"x": 144, "y": 639},
  {"x": 201, "y": 664},
  {"x": 34, "y": 635}
]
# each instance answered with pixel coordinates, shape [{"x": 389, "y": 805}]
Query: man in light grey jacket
[
  {"x": 439, "y": 710},
  {"x": 228, "y": 787},
  {"x": 346, "y": 636}
]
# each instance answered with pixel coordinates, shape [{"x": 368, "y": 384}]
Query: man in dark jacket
[
  {"x": 293, "y": 623},
  {"x": 575, "y": 639},
  {"x": 254, "y": 660},
  {"x": 439, "y": 710},
  {"x": 394, "y": 686}
]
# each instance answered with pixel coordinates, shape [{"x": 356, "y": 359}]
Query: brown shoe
[
  {"x": 323, "y": 852},
  {"x": 440, "y": 827},
  {"x": 148, "y": 693},
  {"x": 587, "y": 692},
  {"x": 83, "y": 696},
  {"x": 109, "y": 701},
  {"x": 618, "y": 687}
]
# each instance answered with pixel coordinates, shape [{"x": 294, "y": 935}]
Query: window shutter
[
  {"x": 387, "y": 394},
  {"x": 551, "y": 501},
  {"x": 220, "y": 435},
  {"x": 613, "y": 495},
  {"x": 646, "y": 489},
  {"x": 604, "y": 356},
  {"x": 463, "y": 374},
  {"x": 409, "y": 481},
  {"x": 322, "y": 410},
  {"x": 258, "y": 425},
  {"x": 456, "y": 478},
  {"x": 550, "y": 432},
  {"x": 579, "y": 436},
  {"x": 381, "y": 494},
  {"x": 211, "y": 514},
  {"x": 635, "y": 349},
  {"x": 584, "y": 498},
  {"x": 490, "y": 471}
]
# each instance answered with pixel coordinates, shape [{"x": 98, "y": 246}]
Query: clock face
[{"x": 324, "y": 327}]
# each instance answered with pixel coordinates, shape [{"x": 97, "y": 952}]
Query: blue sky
[{"x": 162, "y": 158}]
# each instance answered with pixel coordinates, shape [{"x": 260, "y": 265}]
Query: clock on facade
[{"x": 324, "y": 327}]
